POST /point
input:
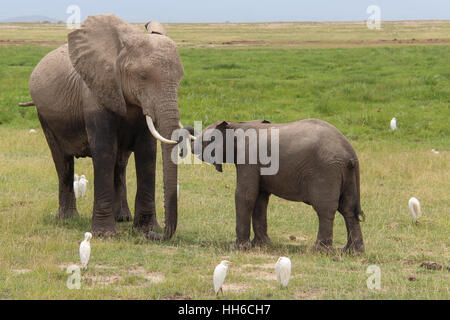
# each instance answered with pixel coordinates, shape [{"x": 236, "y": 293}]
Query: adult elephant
[{"x": 102, "y": 95}]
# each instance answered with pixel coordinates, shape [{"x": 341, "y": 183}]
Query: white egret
[
  {"x": 85, "y": 250},
  {"x": 414, "y": 207},
  {"x": 394, "y": 124},
  {"x": 32, "y": 131},
  {"x": 283, "y": 270},
  {"x": 83, "y": 185},
  {"x": 76, "y": 186},
  {"x": 435, "y": 151},
  {"x": 220, "y": 272}
]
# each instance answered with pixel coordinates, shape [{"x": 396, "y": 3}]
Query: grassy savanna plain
[{"x": 357, "y": 88}]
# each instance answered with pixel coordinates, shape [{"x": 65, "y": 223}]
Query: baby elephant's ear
[
  {"x": 222, "y": 125},
  {"x": 190, "y": 129}
]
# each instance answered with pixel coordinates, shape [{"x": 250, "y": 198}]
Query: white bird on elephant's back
[
  {"x": 85, "y": 250},
  {"x": 414, "y": 207},
  {"x": 76, "y": 186},
  {"x": 220, "y": 272},
  {"x": 83, "y": 185},
  {"x": 283, "y": 270},
  {"x": 394, "y": 124}
]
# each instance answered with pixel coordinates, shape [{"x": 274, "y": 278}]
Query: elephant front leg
[
  {"x": 102, "y": 134},
  {"x": 145, "y": 160},
  {"x": 259, "y": 220},
  {"x": 121, "y": 209},
  {"x": 103, "y": 221}
]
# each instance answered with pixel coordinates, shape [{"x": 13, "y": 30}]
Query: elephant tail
[
  {"x": 359, "y": 214},
  {"x": 27, "y": 104}
]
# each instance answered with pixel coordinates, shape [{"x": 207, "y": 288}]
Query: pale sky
[{"x": 232, "y": 10}]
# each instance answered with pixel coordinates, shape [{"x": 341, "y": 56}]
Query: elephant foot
[
  {"x": 260, "y": 241},
  {"x": 66, "y": 213},
  {"x": 105, "y": 227},
  {"x": 243, "y": 245},
  {"x": 146, "y": 223},
  {"x": 323, "y": 246},
  {"x": 103, "y": 232},
  {"x": 123, "y": 215},
  {"x": 354, "y": 247},
  {"x": 154, "y": 236}
]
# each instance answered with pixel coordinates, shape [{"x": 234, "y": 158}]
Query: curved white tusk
[
  {"x": 190, "y": 135},
  {"x": 155, "y": 133}
]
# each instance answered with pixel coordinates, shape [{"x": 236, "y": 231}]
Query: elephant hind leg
[
  {"x": 355, "y": 241},
  {"x": 259, "y": 220},
  {"x": 65, "y": 168},
  {"x": 324, "y": 241},
  {"x": 121, "y": 209},
  {"x": 349, "y": 207}
]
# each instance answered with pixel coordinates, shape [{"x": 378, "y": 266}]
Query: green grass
[{"x": 357, "y": 90}]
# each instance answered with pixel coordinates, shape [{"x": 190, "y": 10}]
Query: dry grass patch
[
  {"x": 151, "y": 277},
  {"x": 236, "y": 287},
  {"x": 310, "y": 294},
  {"x": 102, "y": 280},
  {"x": 21, "y": 271}
]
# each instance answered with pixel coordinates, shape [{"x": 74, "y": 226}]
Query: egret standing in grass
[
  {"x": 76, "y": 186},
  {"x": 83, "y": 185},
  {"x": 414, "y": 207},
  {"x": 394, "y": 124},
  {"x": 220, "y": 272},
  {"x": 85, "y": 250},
  {"x": 283, "y": 270}
]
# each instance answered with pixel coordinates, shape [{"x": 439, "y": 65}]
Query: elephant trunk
[{"x": 167, "y": 122}]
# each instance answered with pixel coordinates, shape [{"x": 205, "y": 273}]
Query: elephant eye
[{"x": 143, "y": 75}]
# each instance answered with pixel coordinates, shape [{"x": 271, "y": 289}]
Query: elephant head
[
  {"x": 214, "y": 137},
  {"x": 122, "y": 66}
]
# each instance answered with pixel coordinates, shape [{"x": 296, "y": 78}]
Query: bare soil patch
[
  {"x": 268, "y": 43},
  {"x": 40, "y": 43},
  {"x": 361, "y": 42}
]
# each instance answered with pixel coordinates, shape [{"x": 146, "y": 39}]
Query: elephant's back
[
  {"x": 54, "y": 84},
  {"x": 319, "y": 135}
]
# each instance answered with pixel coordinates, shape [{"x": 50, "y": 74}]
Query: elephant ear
[
  {"x": 155, "y": 27},
  {"x": 93, "y": 51}
]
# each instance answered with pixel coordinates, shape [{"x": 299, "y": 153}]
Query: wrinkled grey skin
[
  {"x": 92, "y": 96},
  {"x": 317, "y": 166}
]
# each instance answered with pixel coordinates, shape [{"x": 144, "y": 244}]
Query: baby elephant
[{"x": 310, "y": 161}]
